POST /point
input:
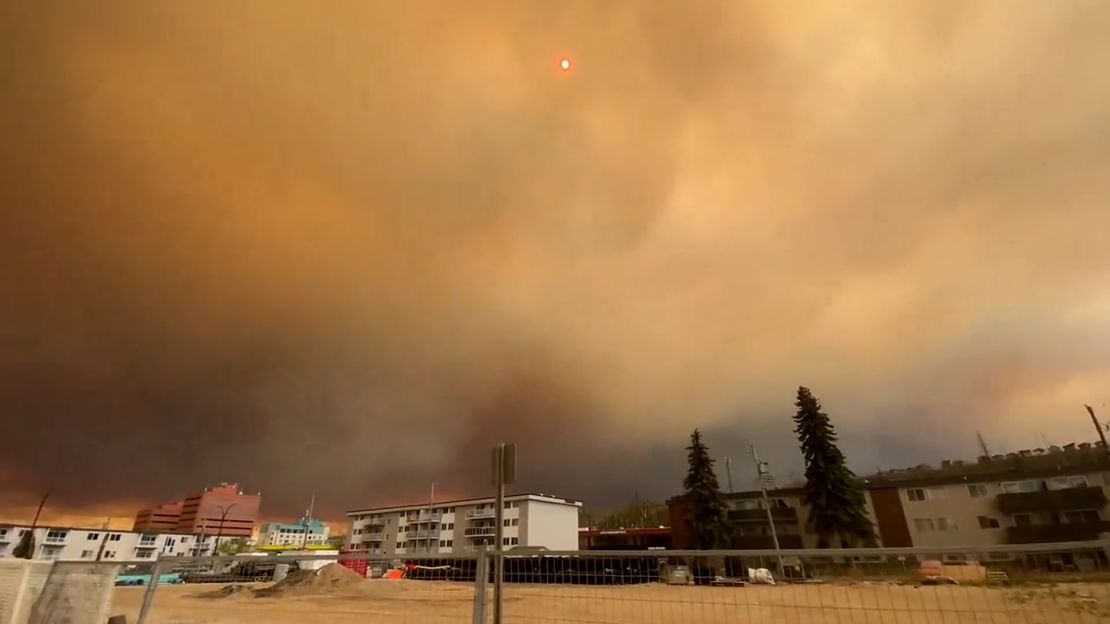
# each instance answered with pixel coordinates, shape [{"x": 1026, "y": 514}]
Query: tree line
[{"x": 831, "y": 491}]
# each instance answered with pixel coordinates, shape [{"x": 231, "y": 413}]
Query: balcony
[
  {"x": 1052, "y": 500},
  {"x": 764, "y": 542},
  {"x": 1069, "y": 532},
  {"x": 421, "y": 535},
  {"x": 481, "y": 514},
  {"x": 54, "y": 539},
  {"x": 429, "y": 517},
  {"x": 788, "y": 515},
  {"x": 481, "y": 531},
  {"x": 378, "y": 522},
  {"x": 376, "y": 536}
]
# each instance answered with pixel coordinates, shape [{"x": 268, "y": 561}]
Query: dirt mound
[{"x": 330, "y": 579}]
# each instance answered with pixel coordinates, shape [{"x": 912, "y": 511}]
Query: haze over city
[{"x": 341, "y": 250}]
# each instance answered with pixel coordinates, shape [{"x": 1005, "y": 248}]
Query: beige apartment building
[{"x": 1058, "y": 494}]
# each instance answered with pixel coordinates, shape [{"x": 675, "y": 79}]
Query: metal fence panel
[
  {"x": 1029, "y": 584},
  {"x": 1042, "y": 585},
  {"x": 301, "y": 589}
]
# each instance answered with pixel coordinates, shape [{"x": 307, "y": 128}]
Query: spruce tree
[
  {"x": 834, "y": 498},
  {"x": 703, "y": 497}
]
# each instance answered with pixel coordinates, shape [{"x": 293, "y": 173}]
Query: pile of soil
[{"x": 330, "y": 579}]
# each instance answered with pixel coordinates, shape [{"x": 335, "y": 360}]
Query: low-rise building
[
  {"x": 77, "y": 544},
  {"x": 1037, "y": 496},
  {"x": 650, "y": 538},
  {"x": 529, "y": 520},
  {"x": 293, "y": 534}
]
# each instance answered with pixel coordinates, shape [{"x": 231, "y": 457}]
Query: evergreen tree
[
  {"x": 703, "y": 497},
  {"x": 834, "y": 498}
]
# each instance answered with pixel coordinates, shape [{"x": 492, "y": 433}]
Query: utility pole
[
  {"x": 1099, "y": 429},
  {"x": 728, "y": 471},
  {"x": 764, "y": 476},
  {"x": 983, "y": 445}
]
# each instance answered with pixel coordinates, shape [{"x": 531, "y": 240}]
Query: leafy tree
[
  {"x": 703, "y": 496},
  {"x": 832, "y": 493},
  {"x": 232, "y": 546}
]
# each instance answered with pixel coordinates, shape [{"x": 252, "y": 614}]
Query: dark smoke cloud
[{"x": 344, "y": 249}]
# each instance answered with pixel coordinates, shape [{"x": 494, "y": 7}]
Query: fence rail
[{"x": 1018, "y": 584}]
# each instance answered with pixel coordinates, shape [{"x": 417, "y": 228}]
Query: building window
[
  {"x": 513, "y": 541},
  {"x": 109, "y": 554},
  {"x": 988, "y": 522},
  {"x": 144, "y": 554},
  {"x": 923, "y": 524},
  {"x": 516, "y": 521},
  {"x": 944, "y": 524},
  {"x": 505, "y": 522},
  {"x": 1085, "y": 515},
  {"x": 916, "y": 494},
  {"x": 449, "y": 542},
  {"x": 86, "y": 554},
  {"x": 55, "y": 534},
  {"x": 1023, "y": 520},
  {"x": 1066, "y": 483},
  {"x": 1017, "y": 487},
  {"x": 443, "y": 543},
  {"x": 114, "y": 537},
  {"x": 977, "y": 489}
]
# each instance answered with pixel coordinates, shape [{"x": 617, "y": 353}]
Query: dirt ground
[{"x": 427, "y": 602}]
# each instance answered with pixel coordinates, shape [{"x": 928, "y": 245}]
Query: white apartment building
[
  {"x": 529, "y": 520},
  {"x": 73, "y": 544},
  {"x": 293, "y": 534}
]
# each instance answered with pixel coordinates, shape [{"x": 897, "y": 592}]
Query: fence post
[
  {"x": 148, "y": 597},
  {"x": 481, "y": 581}
]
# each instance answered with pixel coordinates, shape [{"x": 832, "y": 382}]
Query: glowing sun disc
[{"x": 565, "y": 64}]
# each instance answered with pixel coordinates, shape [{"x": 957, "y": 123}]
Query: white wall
[
  {"x": 551, "y": 525},
  {"x": 83, "y": 544}
]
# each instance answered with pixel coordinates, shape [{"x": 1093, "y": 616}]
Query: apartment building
[
  {"x": 222, "y": 509},
  {"x": 293, "y": 534},
  {"x": 1057, "y": 494},
  {"x": 76, "y": 544},
  {"x": 461, "y": 526}
]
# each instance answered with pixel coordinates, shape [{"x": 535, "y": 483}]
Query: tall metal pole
[
  {"x": 307, "y": 519},
  {"x": 220, "y": 530},
  {"x": 1098, "y": 428},
  {"x": 498, "y": 532},
  {"x": 728, "y": 471},
  {"x": 761, "y": 473},
  {"x": 431, "y": 507}
]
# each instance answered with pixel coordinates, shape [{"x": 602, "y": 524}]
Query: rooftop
[{"x": 467, "y": 501}]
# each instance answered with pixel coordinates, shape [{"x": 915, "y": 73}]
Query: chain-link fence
[
  {"x": 1035, "y": 584},
  {"x": 1041, "y": 584}
]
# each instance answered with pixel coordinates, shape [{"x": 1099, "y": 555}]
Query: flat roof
[
  {"x": 644, "y": 531},
  {"x": 546, "y": 498},
  {"x": 55, "y": 527}
]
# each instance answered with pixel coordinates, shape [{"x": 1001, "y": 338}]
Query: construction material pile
[{"x": 330, "y": 579}]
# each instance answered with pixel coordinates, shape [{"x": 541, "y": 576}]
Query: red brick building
[
  {"x": 161, "y": 518},
  {"x": 223, "y": 509}
]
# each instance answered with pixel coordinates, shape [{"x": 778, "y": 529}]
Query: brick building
[{"x": 223, "y": 509}]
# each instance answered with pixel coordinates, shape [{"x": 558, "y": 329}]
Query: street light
[{"x": 220, "y": 530}]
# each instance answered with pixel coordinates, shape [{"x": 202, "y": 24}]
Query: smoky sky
[{"x": 341, "y": 249}]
